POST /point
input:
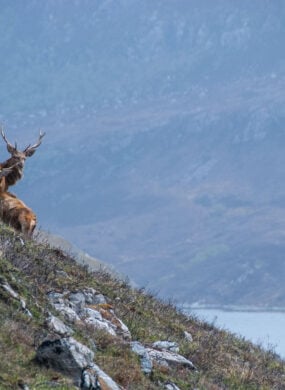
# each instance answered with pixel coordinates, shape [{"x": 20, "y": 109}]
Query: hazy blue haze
[{"x": 164, "y": 153}]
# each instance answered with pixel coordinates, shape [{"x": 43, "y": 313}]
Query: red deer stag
[
  {"x": 13, "y": 211},
  {"x": 17, "y": 159}
]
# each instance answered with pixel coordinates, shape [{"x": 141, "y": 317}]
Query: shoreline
[{"x": 231, "y": 308}]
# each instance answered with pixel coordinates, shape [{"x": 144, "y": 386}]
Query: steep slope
[{"x": 63, "y": 326}]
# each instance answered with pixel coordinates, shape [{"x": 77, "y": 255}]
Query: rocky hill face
[
  {"x": 164, "y": 152},
  {"x": 63, "y": 326}
]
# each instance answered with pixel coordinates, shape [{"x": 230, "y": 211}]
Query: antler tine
[
  {"x": 5, "y": 139},
  {"x": 37, "y": 144}
]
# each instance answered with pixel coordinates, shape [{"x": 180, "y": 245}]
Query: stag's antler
[
  {"x": 30, "y": 149},
  {"x": 9, "y": 145}
]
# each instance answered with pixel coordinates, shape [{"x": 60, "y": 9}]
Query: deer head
[{"x": 18, "y": 158}]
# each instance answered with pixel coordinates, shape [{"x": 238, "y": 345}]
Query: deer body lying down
[{"x": 13, "y": 211}]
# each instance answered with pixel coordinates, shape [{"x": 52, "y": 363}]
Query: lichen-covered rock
[
  {"x": 95, "y": 319},
  {"x": 87, "y": 296},
  {"x": 65, "y": 354},
  {"x": 55, "y": 325},
  {"x": 167, "y": 358},
  {"x": 77, "y": 300},
  {"x": 166, "y": 345},
  {"x": 162, "y": 357},
  {"x": 145, "y": 360},
  {"x": 56, "y": 297},
  {"x": 67, "y": 312}
]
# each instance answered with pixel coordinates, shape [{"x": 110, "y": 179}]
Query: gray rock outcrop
[
  {"x": 62, "y": 352},
  {"x": 167, "y": 358},
  {"x": 89, "y": 307},
  {"x": 65, "y": 354},
  {"x": 145, "y": 360},
  {"x": 97, "y": 379},
  {"x": 57, "y": 326},
  {"x": 166, "y": 345}
]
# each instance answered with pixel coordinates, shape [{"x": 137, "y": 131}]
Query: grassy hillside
[{"x": 30, "y": 271}]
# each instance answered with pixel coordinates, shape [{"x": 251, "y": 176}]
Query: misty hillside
[
  {"x": 65, "y": 327},
  {"x": 164, "y": 153}
]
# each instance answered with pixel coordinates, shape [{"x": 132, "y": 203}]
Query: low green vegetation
[{"x": 223, "y": 361}]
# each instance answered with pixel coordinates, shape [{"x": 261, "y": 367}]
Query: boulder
[
  {"x": 167, "y": 358},
  {"x": 66, "y": 355}
]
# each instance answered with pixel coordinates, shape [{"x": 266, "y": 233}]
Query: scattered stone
[
  {"x": 22, "y": 385},
  {"x": 140, "y": 350},
  {"x": 97, "y": 379},
  {"x": 167, "y": 358},
  {"x": 56, "y": 297},
  {"x": 6, "y": 286},
  {"x": 170, "y": 386},
  {"x": 13, "y": 294},
  {"x": 122, "y": 329},
  {"x": 87, "y": 296},
  {"x": 89, "y": 380},
  {"x": 62, "y": 274},
  {"x": 188, "y": 336},
  {"x": 166, "y": 345},
  {"x": 98, "y": 299}
]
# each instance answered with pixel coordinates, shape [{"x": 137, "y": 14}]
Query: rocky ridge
[{"x": 89, "y": 308}]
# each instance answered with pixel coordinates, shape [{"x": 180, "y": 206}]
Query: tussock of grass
[{"x": 223, "y": 360}]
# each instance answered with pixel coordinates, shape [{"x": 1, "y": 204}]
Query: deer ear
[
  {"x": 29, "y": 152},
  {"x": 11, "y": 149}
]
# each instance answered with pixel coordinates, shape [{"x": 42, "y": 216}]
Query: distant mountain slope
[
  {"x": 80, "y": 256},
  {"x": 164, "y": 153}
]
